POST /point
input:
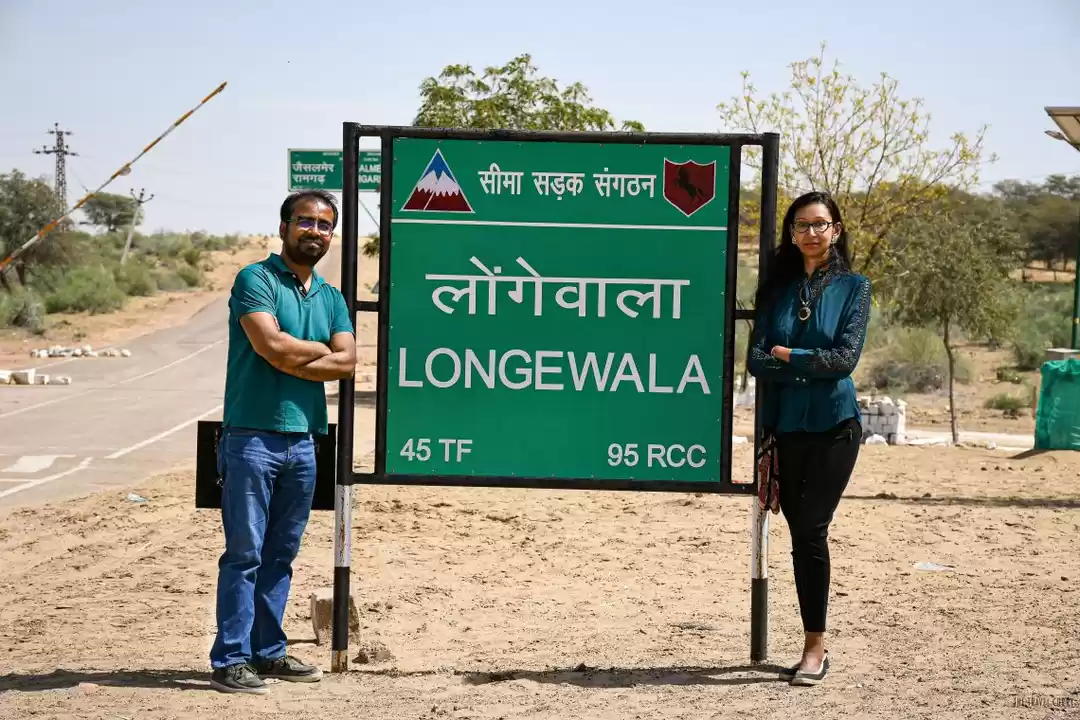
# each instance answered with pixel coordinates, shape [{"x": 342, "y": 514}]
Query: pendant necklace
[{"x": 804, "y": 311}]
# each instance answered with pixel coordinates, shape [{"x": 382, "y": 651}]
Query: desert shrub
[
  {"x": 169, "y": 280},
  {"x": 23, "y": 309},
  {"x": 191, "y": 275},
  {"x": 1047, "y": 315},
  {"x": 1010, "y": 375},
  {"x": 1005, "y": 401},
  {"x": 915, "y": 361},
  {"x": 91, "y": 289},
  {"x": 135, "y": 278},
  {"x": 192, "y": 256}
]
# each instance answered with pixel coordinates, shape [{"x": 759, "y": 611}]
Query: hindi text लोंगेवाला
[{"x": 572, "y": 286}]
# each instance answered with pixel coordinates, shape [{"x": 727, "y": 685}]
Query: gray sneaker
[
  {"x": 238, "y": 678},
  {"x": 288, "y": 668}
]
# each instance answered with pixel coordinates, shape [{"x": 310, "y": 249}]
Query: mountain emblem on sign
[
  {"x": 437, "y": 190},
  {"x": 689, "y": 186}
]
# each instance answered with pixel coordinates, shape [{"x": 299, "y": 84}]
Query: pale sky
[{"x": 118, "y": 72}]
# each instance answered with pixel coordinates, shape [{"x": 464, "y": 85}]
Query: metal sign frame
[{"x": 346, "y": 477}]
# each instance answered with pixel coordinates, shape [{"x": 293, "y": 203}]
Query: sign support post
[
  {"x": 759, "y": 523},
  {"x": 339, "y": 644}
]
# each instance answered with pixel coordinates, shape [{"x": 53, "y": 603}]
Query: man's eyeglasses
[
  {"x": 309, "y": 223},
  {"x": 820, "y": 226}
]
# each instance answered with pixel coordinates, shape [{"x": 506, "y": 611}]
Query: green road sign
[
  {"x": 322, "y": 170},
  {"x": 559, "y": 310}
]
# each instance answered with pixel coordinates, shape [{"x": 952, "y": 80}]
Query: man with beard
[{"x": 289, "y": 331}]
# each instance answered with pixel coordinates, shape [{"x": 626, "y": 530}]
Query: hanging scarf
[{"x": 768, "y": 473}]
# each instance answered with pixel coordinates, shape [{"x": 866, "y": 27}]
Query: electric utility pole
[
  {"x": 60, "y": 150},
  {"x": 139, "y": 202}
]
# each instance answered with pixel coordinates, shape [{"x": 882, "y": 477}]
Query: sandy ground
[{"x": 540, "y": 604}]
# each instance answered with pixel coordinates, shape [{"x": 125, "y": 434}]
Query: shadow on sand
[{"x": 583, "y": 676}]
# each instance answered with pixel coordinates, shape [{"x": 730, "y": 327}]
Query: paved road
[
  {"x": 1002, "y": 440},
  {"x": 121, "y": 419}
]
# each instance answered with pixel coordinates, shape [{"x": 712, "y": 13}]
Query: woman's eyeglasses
[{"x": 820, "y": 226}]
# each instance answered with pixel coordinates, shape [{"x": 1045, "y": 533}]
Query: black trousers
[{"x": 814, "y": 470}]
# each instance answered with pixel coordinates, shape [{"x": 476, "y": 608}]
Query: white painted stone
[
  {"x": 42, "y": 379},
  {"x": 5, "y": 377},
  {"x": 322, "y": 616},
  {"x": 24, "y": 377},
  {"x": 59, "y": 380},
  {"x": 885, "y": 418},
  {"x": 125, "y": 353}
]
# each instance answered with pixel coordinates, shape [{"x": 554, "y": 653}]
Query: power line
[{"x": 60, "y": 150}]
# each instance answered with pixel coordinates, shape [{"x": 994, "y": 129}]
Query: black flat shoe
[
  {"x": 789, "y": 673},
  {"x": 805, "y": 679}
]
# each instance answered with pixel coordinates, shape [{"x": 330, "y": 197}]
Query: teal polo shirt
[{"x": 258, "y": 396}]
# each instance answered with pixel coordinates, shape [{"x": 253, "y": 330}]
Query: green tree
[
  {"x": 111, "y": 212},
  {"x": 956, "y": 279},
  {"x": 512, "y": 97},
  {"x": 868, "y": 146},
  {"x": 26, "y": 206},
  {"x": 1048, "y": 216}
]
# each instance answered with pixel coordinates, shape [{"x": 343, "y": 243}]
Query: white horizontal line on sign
[{"x": 597, "y": 226}]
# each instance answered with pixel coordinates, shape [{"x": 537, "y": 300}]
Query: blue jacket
[{"x": 814, "y": 392}]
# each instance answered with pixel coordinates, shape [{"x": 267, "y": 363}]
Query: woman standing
[{"x": 811, "y": 316}]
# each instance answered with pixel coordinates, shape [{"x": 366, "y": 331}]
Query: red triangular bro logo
[{"x": 437, "y": 190}]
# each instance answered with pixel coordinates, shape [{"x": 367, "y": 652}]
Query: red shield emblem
[{"x": 689, "y": 186}]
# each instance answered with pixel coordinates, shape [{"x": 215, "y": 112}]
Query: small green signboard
[
  {"x": 322, "y": 170},
  {"x": 558, "y": 310}
]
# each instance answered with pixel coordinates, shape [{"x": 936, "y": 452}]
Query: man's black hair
[{"x": 291, "y": 200}]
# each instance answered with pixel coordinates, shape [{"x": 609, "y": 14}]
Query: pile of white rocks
[
  {"x": 883, "y": 421},
  {"x": 31, "y": 377},
  {"x": 59, "y": 351}
]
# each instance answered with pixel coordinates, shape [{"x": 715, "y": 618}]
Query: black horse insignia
[{"x": 689, "y": 186}]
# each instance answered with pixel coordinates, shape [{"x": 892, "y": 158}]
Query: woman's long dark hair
[{"x": 786, "y": 265}]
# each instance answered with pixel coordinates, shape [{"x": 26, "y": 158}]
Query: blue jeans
[{"x": 268, "y": 482}]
